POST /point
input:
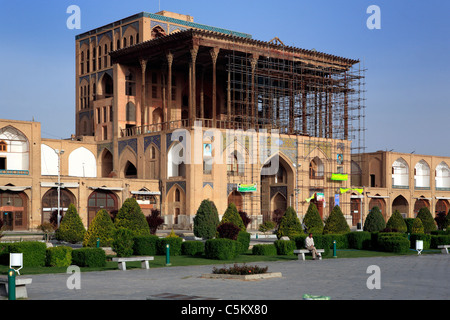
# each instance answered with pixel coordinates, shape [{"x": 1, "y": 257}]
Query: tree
[
  {"x": 374, "y": 221},
  {"x": 245, "y": 218},
  {"x": 427, "y": 220},
  {"x": 206, "y": 220},
  {"x": 154, "y": 220},
  {"x": 336, "y": 223},
  {"x": 417, "y": 226},
  {"x": 130, "y": 216},
  {"x": 396, "y": 222},
  {"x": 71, "y": 228},
  {"x": 290, "y": 225},
  {"x": 101, "y": 228},
  {"x": 312, "y": 220},
  {"x": 231, "y": 215}
]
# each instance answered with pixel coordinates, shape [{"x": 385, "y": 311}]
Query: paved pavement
[{"x": 422, "y": 277}]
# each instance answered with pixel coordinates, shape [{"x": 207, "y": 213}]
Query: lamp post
[{"x": 59, "y": 153}]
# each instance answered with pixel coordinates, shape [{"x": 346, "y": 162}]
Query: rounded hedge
[
  {"x": 374, "y": 221},
  {"x": 101, "y": 227},
  {"x": 221, "y": 249},
  {"x": 206, "y": 220}
]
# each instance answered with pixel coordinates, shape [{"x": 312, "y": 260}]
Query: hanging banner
[
  {"x": 320, "y": 197},
  {"x": 339, "y": 177},
  {"x": 344, "y": 190},
  {"x": 336, "y": 199},
  {"x": 246, "y": 187}
]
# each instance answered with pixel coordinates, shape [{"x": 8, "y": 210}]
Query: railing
[{"x": 18, "y": 172}]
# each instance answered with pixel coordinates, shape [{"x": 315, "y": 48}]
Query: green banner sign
[
  {"x": 339, "y": 177},
  {"x": 246, "y": 187}
]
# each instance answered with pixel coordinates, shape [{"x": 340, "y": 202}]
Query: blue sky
[{"x": 407, "y": 78}]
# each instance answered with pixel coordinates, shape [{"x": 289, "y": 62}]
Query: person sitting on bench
[{"x": 309, "y": 244}]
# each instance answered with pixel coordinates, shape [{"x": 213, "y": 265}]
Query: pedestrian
[{"x": 309, "y": 244}]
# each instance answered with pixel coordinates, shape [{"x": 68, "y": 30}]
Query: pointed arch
[
  {"x": 128, "y": 160},
  {"x": 400, "y": 174},
  {"x": 401, "y": 204},
  {"x": 442, "y": 176},
  {"x": 82, "y": 163},
  {"x": 106, "y": 164},
  {"x": 422, "y": 175}
]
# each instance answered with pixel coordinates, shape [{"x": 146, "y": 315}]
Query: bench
[
  {"x": 302, "y": 252},
  {"x": 122, "y": 262},
  {"x": 21, "y": 289},
  {"x": 444, "y": 248}
]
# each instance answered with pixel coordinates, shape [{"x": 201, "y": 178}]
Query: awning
[
  {"x": 106, "y": 188},
  {"x": 443, "y": 198},
  {"x": 379, "y": 197},
  {"x": 63, "y": 184},
  {"x": 14, "y": 188},
  {"x": 147, "y": 193}
]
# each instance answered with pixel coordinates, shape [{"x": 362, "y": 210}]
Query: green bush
[
  {"x": 101, "y": 227},
  {"x": 173, "y": 242},
  {"x": 394, "y": 244},
  {"x": 89, "y": 257},
  {"x": 58, "y": 256},
  {"x": 323, "y": 242},
  {"x": 374, "y": 221},
  {"x": 427, "y": 220},
  {"x": 341, "y": 240},
  {"x": 439, "y": 240},
  {"x": 336, "y": 223},
  {"x": 290, "y": 225},
  {"x": 34, "y": 252},
  {"x": 71, "y": 228},
  {"x": 123, "y": 242},
  {"x": 231, "y": 215},
  {"x": 417, "y": 226},
  {"x": 426, "y": 238},
  {"x": 130, "y": 216},
  {"x": 192, "y": 248},
  {"x": 409, "y": 223},
  {"x": 206, "y": 220},
  {"x": 284, "y": 247},
  {"x": 359, "y": 240},
  {"x": 312, "y": 220},
  {"x": 244, "y": 239},
  {"x": 264, "y": 250},
  {"x": 145, "y": 245},
  {"x": 221, "y": 249},
  {"x": 300, "y": 241},
  {"x": 267, "y": 226},
  {"x": 396, "y": 222}
]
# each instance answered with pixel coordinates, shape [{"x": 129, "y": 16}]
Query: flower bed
[{"x": 243, "y": 272}]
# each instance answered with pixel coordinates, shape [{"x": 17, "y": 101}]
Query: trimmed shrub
[
  {"x": 336, "y": 223},
  {"x": 192, "y": 248},
  {"x": 394, "y": 244},
  {"x": 290, "y": 225},
  {"x": 426, "y": 238},
  {"x": 58, "y": 256},
  {"x": 173, "y": 242},
  {"x": 409, "y": 223},
  {"x": 145, "y": 245},
  {"x": 374, "y": 221},
  {"x": 322, "y": 242},
  {"x": 359, "y": 240},
  {"x": 264, "y": 250},
  {"x": 123, "y": 242},
  {"x": 245, "y": 218},
  {"x": 130, "y": 216},
  {"x": 312, "y": 220},
  {"x": 101, "y": 228},
  {"x": 427, "y": 220},
  {"x": 341, "y": 240},
  {"x": 417, "y": 226},
  {"x": 244, "y": 239},
  {"x": 439, "y": 240},
  {"x": 267, "y": 226},
  {"x": 300, "y": 241},
  {"x": 206, "y": 220},
  {"x": 71, "y": 228},
  {"x": 231, "y": 215},
  {"x": 89, "y": 257},
  {"x": 228, "y": 230},
  {"x": 34, "y": 252},
  {"x": 284, "y": 247},
  {"x": 396, "y": 222},
  {"x": 221, "y": 249},
  {"x": 154, "y": 220}
]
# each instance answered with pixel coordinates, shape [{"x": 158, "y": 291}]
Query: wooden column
[
  {"x": 143, "y": 63},
  {"x": 202, "y": 95},
  {"x": 214, "y": 54},
  {"x": 169, "y": 56},
  {"x": 192, "y": 87}
]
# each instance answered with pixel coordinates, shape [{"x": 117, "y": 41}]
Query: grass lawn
[{"x": 160, "y": 261}]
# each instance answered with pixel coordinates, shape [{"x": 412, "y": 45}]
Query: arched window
[
  {"x": 177, "y": 195},
  {"x": 131, "y": 40},
  {"x": 422, "y": 175},
  {"x": 124, "y": 42},
  {"x": 3, "y": 146},
  {"x": 442, "y": 176},
  {"x": 316, "y": 169},
  {"x": 400, "y": 174},
  {"x": 175, "y": 161},
  {"x": 130, "y": 84},
  {"x": 101, "y": 199},
  {"x": 130, "y": 111}
]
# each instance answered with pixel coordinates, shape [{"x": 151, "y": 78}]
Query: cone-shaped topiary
[
  {"x": 427, "y": 220},
  {"x": 312, "y": 220},
  {"x": 206, "y": 220},
  {"x": 71, "y": 228},
  {"x": 101, "y": 228},
  {"x": 290, "y": 225},
  {"x": 232, "y": 215},
  {"x": 130, "y": 216},
  {"x": 417, "y": 226},
  {"x": 396, "y": 222},
  {"x": 336, "y": 223},
  {"x": 374, "y": 221}
]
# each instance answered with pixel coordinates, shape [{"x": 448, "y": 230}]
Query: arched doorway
[
  {"x": 14, "y": 210},
  {"x": 355, "y": 208},
  {"x": 279, "y": 203},
  {"x": 130, "y": 171},
  {"x": 419, "y": 204},
  {"x": 380, "y": 203},
  {"x": 442, "y": 206},
  {"x": 107, "y": 164},
  {"x": 402, "y": 205},
  {"x": 50, "y": 204},
  {"x": 102, "y": 199},
  {"x": 236, "y": 198}
]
